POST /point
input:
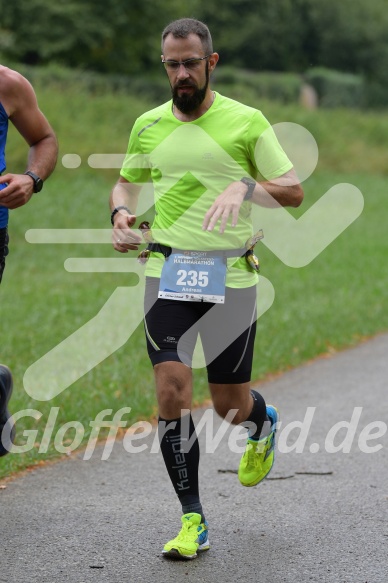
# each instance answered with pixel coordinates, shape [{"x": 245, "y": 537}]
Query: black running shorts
[{"x": 227, "y": 332}]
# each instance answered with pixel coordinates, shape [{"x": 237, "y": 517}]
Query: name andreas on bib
[{"x": 193, "y": 276}]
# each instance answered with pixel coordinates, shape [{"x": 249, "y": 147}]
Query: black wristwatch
[
  {"x": 116, "y": 210},
  {"x": 251, "y": 184},
  {"x": 38, "y": 182}
]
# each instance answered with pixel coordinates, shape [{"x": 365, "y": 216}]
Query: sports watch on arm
[
  {"x": 38, "y": 182},
  {"x": 116, "y": 210},
  {"x": 251, "y": 184}
]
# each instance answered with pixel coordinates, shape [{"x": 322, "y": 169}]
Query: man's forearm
[
  {"x": 269, "y": 195},
  {"x": 42, "y": 157},
  {"x": 283, "y": 191},
  {"x": 124, "y": 194}
]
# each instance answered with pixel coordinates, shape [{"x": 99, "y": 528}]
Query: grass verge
[{"x": 334, "y": 302}]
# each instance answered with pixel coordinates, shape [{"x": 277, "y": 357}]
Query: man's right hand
[{"x": 123, "y": 236}]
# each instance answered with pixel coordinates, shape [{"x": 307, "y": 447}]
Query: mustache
[{"x": 184, "y": 84}]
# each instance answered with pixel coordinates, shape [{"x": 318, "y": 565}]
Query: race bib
[{"x": 193, "y": 276}]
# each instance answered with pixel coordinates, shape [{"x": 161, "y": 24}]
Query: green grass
[{"x": 337, "y": 300}]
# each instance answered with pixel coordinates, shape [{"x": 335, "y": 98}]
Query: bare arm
[
  {"x": 283, "y": 191},
  {"x": 19, "y": 100},
  {"x": 124, "y": 194}
]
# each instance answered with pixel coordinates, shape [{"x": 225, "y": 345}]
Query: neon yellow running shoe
[
  {"x": 259, "y": 455},
  {"x": 193, "y": 537}
]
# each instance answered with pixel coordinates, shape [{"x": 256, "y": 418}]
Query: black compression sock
[
  {"x": 180, "y": 450},
  {"x": 258, "y": 423}
]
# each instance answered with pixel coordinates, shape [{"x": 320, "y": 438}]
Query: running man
[
  {"x": 209, "y": 159},
  {"x": 18, "y": 103}
]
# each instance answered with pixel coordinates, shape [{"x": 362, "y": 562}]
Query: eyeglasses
[{"x": 189, "y": 64}]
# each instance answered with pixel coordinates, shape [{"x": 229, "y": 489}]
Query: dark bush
[
  {"x": 282, "y": 87},
  {"x": 336, "y": 89}
]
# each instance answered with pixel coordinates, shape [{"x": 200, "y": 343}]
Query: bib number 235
[{"x": 192, "y": 278}]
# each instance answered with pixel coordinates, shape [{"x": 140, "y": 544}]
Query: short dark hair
[{"x": 184, "y": 26}]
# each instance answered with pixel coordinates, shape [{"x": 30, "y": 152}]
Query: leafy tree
[
  {"x": 123, "y": 36},
  {"x": 114, "y": 35},
  {"x": 260, "y": 35}
]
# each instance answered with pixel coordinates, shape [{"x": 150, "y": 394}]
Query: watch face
[
  {"x": 38, "y": 182},
  {"x": 38, "y": 185}
]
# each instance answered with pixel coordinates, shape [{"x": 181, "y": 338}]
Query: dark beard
[{"x": 189, "y": 103}]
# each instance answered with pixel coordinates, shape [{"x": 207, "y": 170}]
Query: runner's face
[{"x": 188, "y": 85}]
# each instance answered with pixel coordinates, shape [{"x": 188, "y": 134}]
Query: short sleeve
[
  {"x": 269, "y": 157},
  {"x": 136, "y": 167}
]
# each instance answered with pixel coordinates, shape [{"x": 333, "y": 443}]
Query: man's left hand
[
  {"x": 19, "y": 189},
  {"x": 226, "y": 204}
]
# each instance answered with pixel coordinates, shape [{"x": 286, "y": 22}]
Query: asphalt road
[{"x": 321, "y": 516}]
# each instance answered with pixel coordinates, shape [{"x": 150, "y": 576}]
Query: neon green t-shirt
[{"x": 190, "y": 164}]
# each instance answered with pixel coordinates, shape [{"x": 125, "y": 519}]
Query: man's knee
[
  {"x": 173, "y": 385},
  {"x": 232, "y": 402}
]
